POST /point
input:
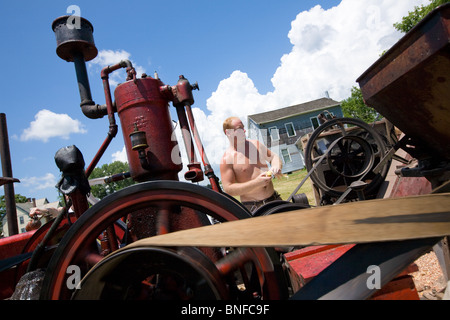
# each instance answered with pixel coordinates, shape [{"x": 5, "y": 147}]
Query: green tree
[
  {"x": 354, "y": 107},
  {"x": 413, "y": 17},
  {"x": 106, "y": 170}
]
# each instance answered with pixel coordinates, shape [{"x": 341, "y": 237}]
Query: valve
[
  {"x": 139, "y": 143},
  {"x": 138, "y": 139},
  {"x": 182, "y": 92},
  {"x": 195, "y": 173}
]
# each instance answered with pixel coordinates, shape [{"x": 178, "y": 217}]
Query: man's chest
[{"x": 245, "y": 171}]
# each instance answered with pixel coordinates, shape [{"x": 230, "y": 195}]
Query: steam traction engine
[{"x": 154, "y": 240}]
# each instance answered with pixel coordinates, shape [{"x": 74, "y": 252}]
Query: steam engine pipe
[
  {"x": 77, "y": 45},
  {"x": 89, "y": 108},
  {"x": 110, "y": 110},
  {"x": 194, "y": 173},
  {"x": 208, "y": 169},
  {"x": 182, "y": 98}
]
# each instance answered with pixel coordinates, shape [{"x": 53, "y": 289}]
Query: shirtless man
[{"x": 244, "y": 170}]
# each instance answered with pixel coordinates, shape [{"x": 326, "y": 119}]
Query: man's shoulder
[{"x": 228, "y": 154}]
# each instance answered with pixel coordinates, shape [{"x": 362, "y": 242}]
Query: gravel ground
[{"x": 429, "y": 280}]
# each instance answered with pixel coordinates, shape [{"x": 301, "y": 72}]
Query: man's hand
[
  {"x": 263, "y": 179},
  {"x": 276, "y": 170},
  {"x": 36, "y": 212}
]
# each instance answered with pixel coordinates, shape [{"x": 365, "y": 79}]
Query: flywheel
[{"x": 155, "y": 208}]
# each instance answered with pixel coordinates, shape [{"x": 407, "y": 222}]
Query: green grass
[{"x": 286, "y": 185}]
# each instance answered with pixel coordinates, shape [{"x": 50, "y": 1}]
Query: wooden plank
[{"x": 405, "y": 218}]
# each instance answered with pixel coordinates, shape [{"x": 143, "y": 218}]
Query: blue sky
[{"x": 247, "y": 56}]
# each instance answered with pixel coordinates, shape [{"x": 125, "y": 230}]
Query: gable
[{"x": 275, "y": 115}]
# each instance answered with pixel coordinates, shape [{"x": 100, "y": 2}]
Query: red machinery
[
  {"x": 99, "y": 242},
  {"x": 158, "y": 204}
]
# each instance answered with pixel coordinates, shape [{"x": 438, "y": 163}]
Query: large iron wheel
[
  {"x": 354, "y": 156},
  {"x": 36, "y": 239},
  {"x": 79, "y": 246}
]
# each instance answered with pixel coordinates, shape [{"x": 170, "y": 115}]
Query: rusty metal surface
[
  {"x": 5, "y": 156},
  {"x": 142, "y": 104},
  {"x": 70, "y": 40},
  {"x": 410, "y": 83},
  {"x": 5, "y": 180}
]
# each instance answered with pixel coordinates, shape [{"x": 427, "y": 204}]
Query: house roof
[
  {"x": 270, "y": 116},
  {"x": 24, "y": 207}
]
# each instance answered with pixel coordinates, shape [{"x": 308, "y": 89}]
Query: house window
[
  {"x": 273, "y": 131},
  {"x": 286, "y": 155},
  {"x": 315, "y": 122},
  {"x": 21, "y": 220},
  {"x": 290, "y": 129}
]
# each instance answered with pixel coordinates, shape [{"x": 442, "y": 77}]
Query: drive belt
[{"x": 390, "y": 219}]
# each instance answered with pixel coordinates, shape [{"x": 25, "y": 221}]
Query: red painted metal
[
  {"x": 10, "y": 247},
  {"x": 310, "y": 261},
  {"x": 194, "y": 201},
  {"x": 142, "y": 107},
  {"x": 208, "y": 169},
  {"x": 407, "y": 186},
  {"x": 400, "y": 288},
  {"x": 194, "y": 173},
  {"x": 37, "y": 237},
  {"x": 110, "y": 111},
  {"x": 409, "y": 83},
  {"x": 79, "y": 202},
  {"x": 13, "y": 245},
  {"x": 140, "y": 103}
]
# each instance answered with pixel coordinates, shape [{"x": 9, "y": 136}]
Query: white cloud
[
  {"x": 48, "y": 124},
  {"x": 39, "y": 183},
  {"x": 330, "y": 49},
  {"x": 110, "y": 57},
  {"x": 120, "y": 155}
]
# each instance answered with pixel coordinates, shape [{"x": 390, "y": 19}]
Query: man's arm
[{"x": 271, "y": 157}]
